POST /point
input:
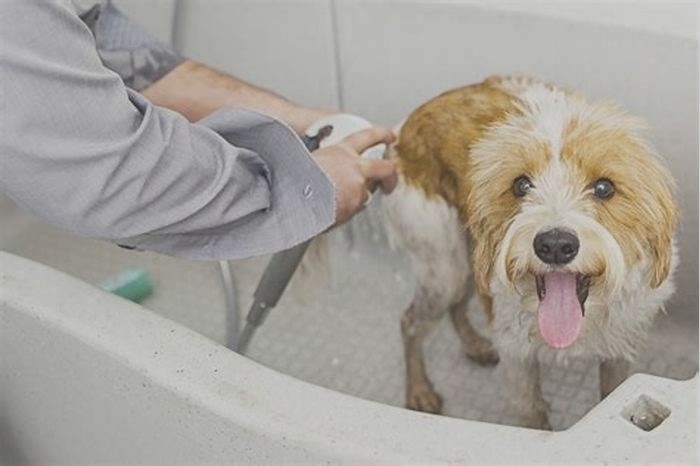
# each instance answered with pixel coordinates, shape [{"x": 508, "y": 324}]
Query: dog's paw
[{"x": 424, "y": 399}]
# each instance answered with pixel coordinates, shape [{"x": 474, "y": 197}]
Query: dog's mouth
[{"x": 561, "y": 309}]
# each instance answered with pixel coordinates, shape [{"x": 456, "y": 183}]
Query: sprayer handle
[{"x": 343, "y": 124}]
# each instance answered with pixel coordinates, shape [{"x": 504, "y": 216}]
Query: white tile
[
  {"x": 156, "y": 16},
  {"x": 284, "y": 46},
  {"x": 395, "y": 55}
]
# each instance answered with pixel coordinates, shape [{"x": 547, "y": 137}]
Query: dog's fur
[{"x": 456, "y": 215}]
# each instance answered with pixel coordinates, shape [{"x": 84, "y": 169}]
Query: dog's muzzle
[{"x": 562, "y": 294}]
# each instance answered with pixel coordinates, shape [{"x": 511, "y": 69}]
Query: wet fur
[{"x": 455, "y": 217}]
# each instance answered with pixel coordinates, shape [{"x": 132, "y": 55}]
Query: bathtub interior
[
  {"x": 342, "y": 331},
  {"x": 89, "y": 378},
  {"x": 345, "y": 334}
]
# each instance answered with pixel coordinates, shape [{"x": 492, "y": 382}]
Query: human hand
[{"x": 354, "y": 176}]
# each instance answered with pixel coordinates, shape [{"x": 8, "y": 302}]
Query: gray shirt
[{"x": 84, "y": 152}]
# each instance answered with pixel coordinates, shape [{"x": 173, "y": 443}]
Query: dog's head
[{"x": 565, "y": 199}]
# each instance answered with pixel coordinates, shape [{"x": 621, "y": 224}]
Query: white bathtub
[{"x": 89, "y": 378}]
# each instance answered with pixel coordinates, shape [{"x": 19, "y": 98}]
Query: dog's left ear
[
  {"x": 662, "y": 253},
  {"x": 661, "y": 241}
]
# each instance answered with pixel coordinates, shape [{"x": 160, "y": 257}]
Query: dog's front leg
[
  {"x": 612, "y": 373},
  {"x": 420, "y": 394},
  {"x": 524, "y": 392},
  {"x": 476, "y": 347}
]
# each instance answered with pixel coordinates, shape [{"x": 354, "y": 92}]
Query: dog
[{"x": 553, "y": 209}]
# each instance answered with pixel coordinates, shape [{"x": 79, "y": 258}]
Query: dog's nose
[{"x": 556, "y": 246}]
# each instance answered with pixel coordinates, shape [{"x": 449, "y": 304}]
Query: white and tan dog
[{"x": 553, "y": 209}]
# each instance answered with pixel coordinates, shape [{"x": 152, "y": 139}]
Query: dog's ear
[
  {"x": 484, "y": 249},
  {"x": 661, "y": 241},
  {"x": 662, "y": 254},
  {"x": 482, "y": 265}
]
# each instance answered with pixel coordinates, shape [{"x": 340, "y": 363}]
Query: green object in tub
[{"x": 133, "y": 284}]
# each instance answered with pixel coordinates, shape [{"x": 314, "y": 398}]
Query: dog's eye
[
  {"x": 603, "y": 188},
  {"x": 521, "y": 186}
]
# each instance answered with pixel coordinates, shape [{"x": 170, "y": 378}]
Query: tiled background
[{"x": 380, "y": 59}]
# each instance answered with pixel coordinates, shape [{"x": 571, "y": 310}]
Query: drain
[{"x": 646, "y": 413}]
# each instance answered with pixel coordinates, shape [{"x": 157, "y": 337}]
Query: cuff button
[{"x": 308, "y": 191}]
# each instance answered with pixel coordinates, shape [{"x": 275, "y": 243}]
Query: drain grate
[{"x": 646, "y": 413}]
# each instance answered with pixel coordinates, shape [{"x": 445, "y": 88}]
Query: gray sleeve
[
  {"x": 126, "y": 48},
  {"x": 87, "y": 154}
]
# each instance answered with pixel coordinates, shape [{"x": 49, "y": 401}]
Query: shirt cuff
[{"x": 302, "y": 196}]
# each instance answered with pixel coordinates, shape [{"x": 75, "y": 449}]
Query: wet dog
[{"x": 553, "y": 209}]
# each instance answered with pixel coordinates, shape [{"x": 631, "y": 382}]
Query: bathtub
[{"x": 90, "y": 378}]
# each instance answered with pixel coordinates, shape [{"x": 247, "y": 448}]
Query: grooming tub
[{"x": 89, "y": 378}]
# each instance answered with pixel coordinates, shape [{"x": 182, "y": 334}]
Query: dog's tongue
[{"x": 559, "y": 314}]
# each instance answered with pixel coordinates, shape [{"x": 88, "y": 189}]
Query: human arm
[
  {"x": 170, "y": 80},
  {"x": 89, "y": 155},
  {"x": 195, "y": 90}
]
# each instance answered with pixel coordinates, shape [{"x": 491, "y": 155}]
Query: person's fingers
[
  {"x": 388, "y": 183},
  {"x": 376, "y": 169},
  {"x": 379, "y": 171},
  {"x": 362, "y": 140}
]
